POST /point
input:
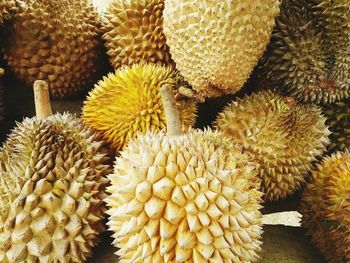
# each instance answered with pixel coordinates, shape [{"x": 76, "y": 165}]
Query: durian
[
  {"x": 133, "y": 31},
  {"x": 283, "y": 137},
  {"x": 338, "y": 120},
  {"x": 308, "y": 56},
  {"x": 128, "y": 101},
  {"x": 58, "y": 41},
  {"x": 216, "y": 44},
  {"x": 183, "y": 198},
  {"x": 326, "y": 207},
  {"x": 52, "y": 186},
  {"x": 2, "y": 72},
  {"x": 7, "y": 9}
]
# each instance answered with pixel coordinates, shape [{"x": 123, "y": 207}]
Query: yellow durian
[
  {"x": 184, "y": 197},
  {"x": 282, "y": 136},
  {"x": 325, "y": 207},
  {"x": 133, "y": 31},
  {"x": 52, "y": 186},
  {"x": 128, "y": 102},
  {"x": 216, "y": 44}
]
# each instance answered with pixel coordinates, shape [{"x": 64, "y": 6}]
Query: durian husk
[
  {"x": 133, "y": 33},
  {"x": 308, "y": 55},
  {"x": 2, "y": 108},
  {"x": 7, "y": 10},
  {"x": 283, "y": 137},
  {"x": 338, "y": 120},
  {"x": 184, "y": 198},
  {"x": 326, "y": 207},
  {"x": 52, "y": 189},
  {"x": 128, "y": 102},
  {"x": 216, "y": 44},
  {"x": 58, "y": 41}
]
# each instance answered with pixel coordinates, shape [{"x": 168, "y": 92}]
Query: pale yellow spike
[
  {"x": 173, "y": 213},
  {"x": 152, "y": 228},
  {"x": 201, "y": 202},
  {"x": 193, "y": 223},
  {"x": 166, "y": 229},
  {"x": 178, "y": 196},
  {"x": 143, "y": 191},
  {"x": 163, "y": 188},
  {"x": 167, "y": 246},
  {"x": 154, "y": 208},
  {"x": 204, "y": 236},
  {"x": 155, "y": 173},
  {"x": 182, "y": 254}
]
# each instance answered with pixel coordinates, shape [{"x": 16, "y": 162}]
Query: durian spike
[
  {"x": 42, "y": 99},
  {"x": 171, "y": 113}
]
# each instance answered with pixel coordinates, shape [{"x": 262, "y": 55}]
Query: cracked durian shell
[
  {"x": 283, "y": 137},
  {"x": 216, "y": 44},
  {"x": 52, "y": 186},
  {"x": 325, "y": 207},
  {"x": 308, "y": 56},
  {"x": 58, "y": 41},
  {"x": 133, "y": 31},
  {"x": 128, "y": 102},
  {"x": 184, "y": 199},
  {"x": 338, "y": 120}
]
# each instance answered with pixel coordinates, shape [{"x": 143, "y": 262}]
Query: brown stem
[
  {"x": 42, "y": 99},
  {"x": 171, "y": 113}
]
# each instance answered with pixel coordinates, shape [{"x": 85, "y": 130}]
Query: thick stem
[
  {"x": 171, "y": 113},
  {"x": 42, "y": 99}
]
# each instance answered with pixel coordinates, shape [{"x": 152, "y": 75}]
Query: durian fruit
[
  {"x": 128, "y": 102},
  {"x": 133, "y": 31},
  {"x": 216, "y": 44},
  {"x": 325, "y": 207},
  {"x": 184, "y": 198},
  {"x": 283, "y": 137},
  {"x": 7, "y": 9},
  {"x": 308, "y": 56},
  {"x": 338, "y": 120},
  {"x": 58, "y": 41},
  {"x": 2, "y": 72},
  {"x": 52, "y": 186}
]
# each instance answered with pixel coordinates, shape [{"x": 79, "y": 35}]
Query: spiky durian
[
  {"x": 52, "y": 181},
  {"x": 216, "y": 44},
  {"x": 326, "y": 207},
  {"x": 128, "y": 102},
  {"x": 309, "y": 51},
  {"x": 58, "y": 41},
  {"x": 283, "y": 137},
  {"x": 2, "y": 72},
  {"x": 186, "y": 198},
  {"x": 338, "y": 120},
  {"x": 7, "y": 9},
  {"x": 133, "y": 31}
]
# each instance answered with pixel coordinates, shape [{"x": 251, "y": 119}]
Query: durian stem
[
  {"x": 171, "y": 112},
  {"x": 42, "y": 99},
  {"x": 2, "y": 72}
]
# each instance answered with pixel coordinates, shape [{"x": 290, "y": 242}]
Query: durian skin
[
  {"x": 326, "y": 209},
  {"x": 338, "y": 120},
  {"x": 133, "y": 32},
  {"x": 184, "y": 199},
  {"x": 216, "y": 44},
  {"x": 283, "y": 137},
  {"x": 52, "y": 187},
  {"x": 308, "y": 54},
  {"x": 58, "y": 41},
  {"x": 7, "y": 9},
  {"x": 128, "y": 102}
]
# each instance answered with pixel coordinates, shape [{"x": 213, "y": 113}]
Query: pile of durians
[{"x": 175, "y": 193}]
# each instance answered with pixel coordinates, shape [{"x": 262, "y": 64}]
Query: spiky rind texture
[
  {"x": 338, "y": 120},
  {"x": 2, "y": 110},
  {"x": 326, "y": 207},
  {"x": 283, "y": 137},
  {"x": 216, "y": 44},
  {"x": 184, "y": 199},
  {"x": 309, "y": 51},
  {"x": 56, "y": 41},
  {"x": 52, "y": 183},
  {"x": 133, "y": 31},
  {"x": 128, "y": 102},
  {"x": 7, "y": 9}
]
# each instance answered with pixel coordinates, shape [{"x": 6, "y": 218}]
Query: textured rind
[
  {"x": 7, "y": 9},
  {"x": 216, "y": 44},
  {"x": 326, "y": 207},
  {"x": 2, "y": 110},
  {"x": 133, "y": 31},
  {"x": 58, "y": 41},
  {"x": 128, "y": 102},
  {"x": 308, "y": 56},
  {"x": 184, "y": 199},
  {"x": 52, "y": 186},
  {"x": 338, "y": 120},
  {"x": 283, "y": 137}
]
